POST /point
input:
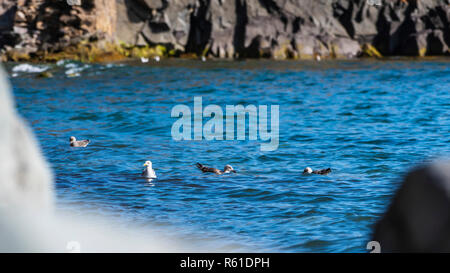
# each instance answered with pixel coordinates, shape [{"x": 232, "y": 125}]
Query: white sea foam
[
  {"x": 28, "y": 68},
  {"x": 62, "y": 62},
  {"x": 74, "y": 70}
]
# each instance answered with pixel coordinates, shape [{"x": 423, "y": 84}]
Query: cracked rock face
[
  {"x": 288, "y": 28},
  {"x": 235, "y": 28}
]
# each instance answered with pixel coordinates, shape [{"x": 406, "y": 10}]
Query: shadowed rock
[{"x": 418, "y": 218}]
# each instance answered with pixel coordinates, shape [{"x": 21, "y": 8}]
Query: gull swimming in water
[
  {"x": 148, "y": 172},
  {"x": 308, "y": 170},
  {"x": 78, "y": 143},
  {"x": 205, "y": 169},
  {"x": 144, "y": 60}
]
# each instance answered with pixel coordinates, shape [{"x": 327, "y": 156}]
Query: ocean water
[{"x": 370, "y": 121}]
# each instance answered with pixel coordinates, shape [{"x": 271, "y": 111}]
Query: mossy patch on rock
[
  {"x": 45, "y": 74},
  {"x": 371, "y": 51},
  {"x": 284, "y": 51},
  {"x": 17, "y": 56},
  {"x": 422, "y": 51},
  {"x": 94, "y": 52}
]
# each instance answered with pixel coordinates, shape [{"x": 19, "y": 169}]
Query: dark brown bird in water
[
  {"x": 205, "y": 169},
  {"x": 308, "y": 170},
  {"x": 78, "y": 143}
]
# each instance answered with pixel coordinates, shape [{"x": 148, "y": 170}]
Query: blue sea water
[{"x": 370, "y": 121}]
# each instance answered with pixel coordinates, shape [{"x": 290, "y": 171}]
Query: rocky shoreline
[{"x": 109, "y": 30}]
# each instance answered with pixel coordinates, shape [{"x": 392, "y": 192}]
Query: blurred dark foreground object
[{"x": 418, "y": 218}]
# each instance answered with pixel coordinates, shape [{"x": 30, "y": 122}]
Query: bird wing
[
  {"x": 202, "y": 168},
  {"x": 152, "y": 173},
  {"x": 323, "y": 171},
  {"x": 207, "y": 169},
  {"x": 148, "y": 173}
]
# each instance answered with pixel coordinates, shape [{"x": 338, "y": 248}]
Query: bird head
[
  {"x": 148, "y": 164},
  {"x": 307, "y": 170},
  {"x": 228, "y": 169}
]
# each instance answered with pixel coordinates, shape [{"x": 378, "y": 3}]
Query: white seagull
[{"x": 148, "y": 172}]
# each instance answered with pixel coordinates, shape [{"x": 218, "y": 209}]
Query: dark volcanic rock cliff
[{"x": 277, "y": 29}]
